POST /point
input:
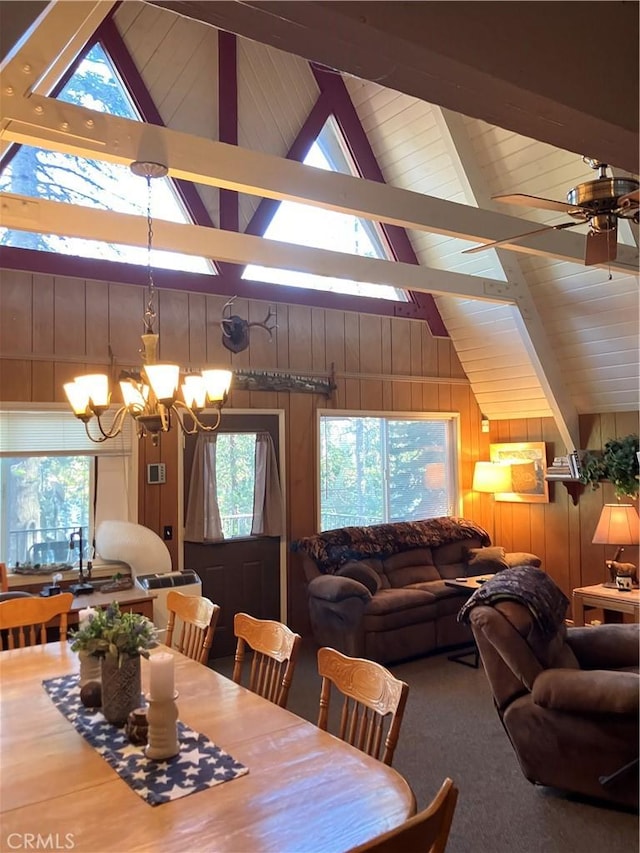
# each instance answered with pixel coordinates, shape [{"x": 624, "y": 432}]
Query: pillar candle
[
  {"x": 161, "y": 676},
  {"x": 86, "y": 615}
]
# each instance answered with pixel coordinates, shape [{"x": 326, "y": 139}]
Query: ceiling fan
[{"x": 600, "y": 203}]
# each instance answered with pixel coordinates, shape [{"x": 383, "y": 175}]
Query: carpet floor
[{"x": 450, "y": 728}]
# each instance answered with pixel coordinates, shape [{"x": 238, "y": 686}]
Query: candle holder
[{"x": 162, "y": 735}]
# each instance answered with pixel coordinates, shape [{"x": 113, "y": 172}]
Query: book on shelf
[{"x": 574, "y": 462}]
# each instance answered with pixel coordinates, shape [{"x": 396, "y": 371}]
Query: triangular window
[
  {"x": 39, "y": 173},
  {"x": 326, "y": 229}
]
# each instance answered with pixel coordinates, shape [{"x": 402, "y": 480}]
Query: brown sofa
[
  {"x": 568, "y": 698},
  {"x": 379, "y": 591}
]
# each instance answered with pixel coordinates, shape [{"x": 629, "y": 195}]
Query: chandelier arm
[
  {"x": 98, "y": 440},
  {"x": 198, "y": 425},
  {"x": 116, "y": 425}
]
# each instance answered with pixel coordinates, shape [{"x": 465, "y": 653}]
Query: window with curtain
[
  {"x": 234, "y": 488},
  {"x": 54, "y": 480},
  {"x": 376, "y": 469}
]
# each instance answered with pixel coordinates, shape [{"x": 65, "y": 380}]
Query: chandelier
[{"x": 150, "y": 394}]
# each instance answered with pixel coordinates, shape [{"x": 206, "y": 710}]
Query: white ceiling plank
[
  {"x": 60, "y": 126},
  {"x": 525, "y": 312},
  {"x": 51, "y": 217}
]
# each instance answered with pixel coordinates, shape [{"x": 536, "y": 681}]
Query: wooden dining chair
[
  {"x": 25, "y": 619},
  {"x": 196, "y": 617},
  {"x": 4, "y": 578},
  {"x": 275, "y": 650},
  {"x": 426, "y": 832},
  {"x": 373, "y": 702}
]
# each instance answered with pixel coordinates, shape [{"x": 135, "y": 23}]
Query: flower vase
[
  {"x": 89, "y": 667},
  {"x": 121, "y": 688}
]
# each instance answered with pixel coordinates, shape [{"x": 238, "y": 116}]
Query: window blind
[{"x": 53, "y": 431}]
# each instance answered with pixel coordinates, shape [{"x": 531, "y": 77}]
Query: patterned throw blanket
[
  {"x": 528, "y": 586},
  {"x": 333, "y": 548}
]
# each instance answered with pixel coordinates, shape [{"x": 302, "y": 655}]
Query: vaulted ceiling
[{"x": 457, "y": 106}]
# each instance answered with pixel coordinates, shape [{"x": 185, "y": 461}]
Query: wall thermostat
[{"x": 157, "y": 472}]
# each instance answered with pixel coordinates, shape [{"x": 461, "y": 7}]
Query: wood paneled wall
[{"x": 52, "y": 328}]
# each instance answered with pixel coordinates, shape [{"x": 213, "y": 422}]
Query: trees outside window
[
  {"x": 43, "y": 499},
  {"x": 381, "y": 469},
  {"x": 52, "y": 175}
]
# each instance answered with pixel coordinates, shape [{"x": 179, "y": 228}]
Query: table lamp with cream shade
[
  {"x": 492, "y": 477},
  {"x": 618, "y": 525}
]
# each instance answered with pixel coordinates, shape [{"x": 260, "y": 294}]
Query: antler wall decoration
[{"x": 235, "y": 330}]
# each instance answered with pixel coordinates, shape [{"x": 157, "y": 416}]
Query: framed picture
[{"x": 529, "y": 465}]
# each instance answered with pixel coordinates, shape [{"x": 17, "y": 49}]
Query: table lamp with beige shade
[
  {"x": 492, "y": 478},
  {"x": 619, "y": 525}
]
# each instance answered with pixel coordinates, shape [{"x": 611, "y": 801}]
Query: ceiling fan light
[
  {"x": 194, "y": 391},
  {"x": 217, "y": 383},
  {"x": 164, "y": 380}
]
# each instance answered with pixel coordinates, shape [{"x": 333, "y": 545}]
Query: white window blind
[{"x": 48, "y": 432}]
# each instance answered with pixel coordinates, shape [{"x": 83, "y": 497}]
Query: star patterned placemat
[{"x": 200, "y": 764}]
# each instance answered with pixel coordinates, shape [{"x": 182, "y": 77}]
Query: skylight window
[
  {"x": 39, "y": 173},
  {"x": 326, "y": 229}
]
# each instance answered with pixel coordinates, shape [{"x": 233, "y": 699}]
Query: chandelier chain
[{"x": 150, "y": 310}]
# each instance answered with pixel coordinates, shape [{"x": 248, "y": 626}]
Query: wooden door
[{"x": 238, "y": 574}]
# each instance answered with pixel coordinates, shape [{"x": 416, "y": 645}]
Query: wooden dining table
[{"x": 306, "y": 790}]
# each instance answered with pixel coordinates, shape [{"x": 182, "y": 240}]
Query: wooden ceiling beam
[
  {"x": 35, "y": 64},
  {"x": 59, "y": 126},
  {"x": 525, "y": 313},
  {"x": 51, "y": 217}
]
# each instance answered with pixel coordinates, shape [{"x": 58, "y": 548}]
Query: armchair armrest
[
  {"x": 335, "y": 588},
  {"x": 582, "y": 691},
  {"x": 336, "y": 608},
  {"x": 606, "y": 646}
]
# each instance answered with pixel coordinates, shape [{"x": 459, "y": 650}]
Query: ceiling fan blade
[
  {"x": 602, "y": 246},
  {"x": 630, "y": 201},
  {"x": 497, "y": 243},
  {"x": 535, "y": 201}
]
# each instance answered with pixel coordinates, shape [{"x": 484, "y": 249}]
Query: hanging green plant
[{"x": 617, "y": 463}]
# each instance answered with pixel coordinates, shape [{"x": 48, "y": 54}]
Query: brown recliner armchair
[{"x": 568, "y": 700}]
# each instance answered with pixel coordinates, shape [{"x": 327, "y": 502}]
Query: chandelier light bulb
[
  {"x": 164, "y": 380},
  {"x": 194, "y": 391},
  {"x": 217, "y": 383},
  {"x": 96, "y": 387},
  {"x": 78, "y": 399},
  {"x": 135, "y": 397}
]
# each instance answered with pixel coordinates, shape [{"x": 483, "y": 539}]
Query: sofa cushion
[
  {"x": 454, "y": 553},
  {"x": 358, "y": 570},
  {"x": 410, "y": 567},
  {"x": 395, "y": 600},
  {"x": 449, "y": 600},
  {"x": 439, "y": 589},
  {"x": 482, "y": 561},
  {"x": 391, "y": 609},
  {"x": 522, "y": 558}
]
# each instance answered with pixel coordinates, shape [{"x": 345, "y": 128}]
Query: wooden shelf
[{"x": 573, "y": 486}]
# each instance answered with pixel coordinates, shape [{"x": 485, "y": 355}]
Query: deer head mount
[{"x": 235, "y": 330}]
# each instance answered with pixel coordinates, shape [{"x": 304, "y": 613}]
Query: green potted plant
[
  {"x": 119, "y": 640},
  {"x": 617, "y": 463}
]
